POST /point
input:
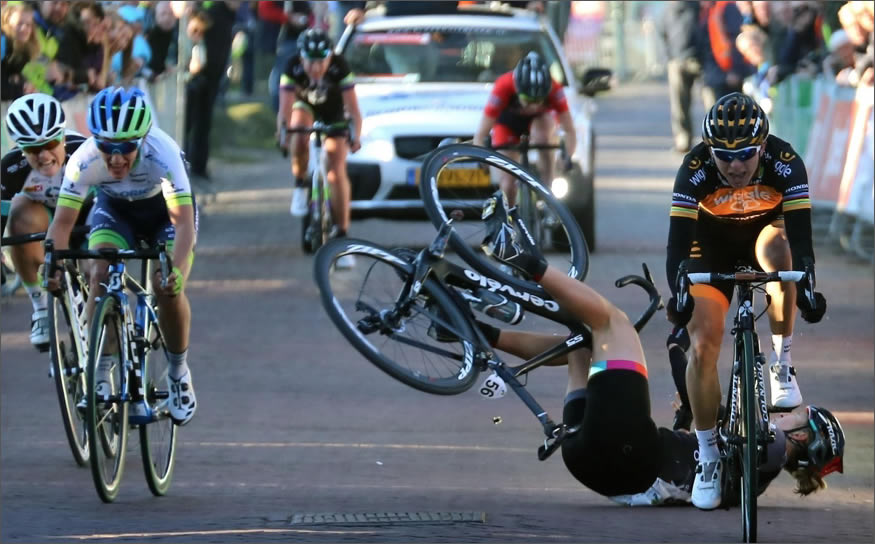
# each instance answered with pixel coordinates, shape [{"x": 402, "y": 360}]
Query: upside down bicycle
[{"x": 389, "y": 305}]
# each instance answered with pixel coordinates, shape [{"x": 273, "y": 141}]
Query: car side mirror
[{"x": 595, "y": 80}]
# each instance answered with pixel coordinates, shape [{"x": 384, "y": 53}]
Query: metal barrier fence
[{"x": 831, "y": 126}]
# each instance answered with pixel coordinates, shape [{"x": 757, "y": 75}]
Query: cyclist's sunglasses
[
  {"x": 36, "y": 149},
  {"x": 526, "y": 100},
  {"x": 743, "y": 154},
  {"x": 124, "y": 147}
]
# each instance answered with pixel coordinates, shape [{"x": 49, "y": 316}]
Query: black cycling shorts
[
  {"x": 719, "y": 246},
  {"x": 618, "y": 449}
]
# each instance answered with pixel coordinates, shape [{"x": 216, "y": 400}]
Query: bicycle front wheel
[
  {"x": 157, "y": 438},
  {"x": 107, "y": 413},
  {"x": 750, "y": 453},
  {"x": 68, "y": 358},
  {"x": 422, "y": 343},
  {"x": 465, "y": 192}
]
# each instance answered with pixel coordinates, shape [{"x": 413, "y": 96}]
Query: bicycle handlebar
[
  {"x": 749, "y": 276},
  {"x": 645, "y": 283},
  {"x": 105, "y": 253},
  {"x": 37, "y": 236},
  {"x": 780, "y": 275}
]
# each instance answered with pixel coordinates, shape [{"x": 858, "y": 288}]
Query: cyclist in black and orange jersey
[
  {"x": 741, "y": 195},
  {"x": 317, "y": 84},
  {"x": 525, "y": 99},
  {"x": 618, "y": 451}
]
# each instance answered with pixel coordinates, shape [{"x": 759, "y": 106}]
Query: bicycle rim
[
  {"x": 532, "y": 216},
  {"x": 107, "y": 422},
  {"x": 441, "y": 200},
  {"x": 361, "y": 302},
  {"x": 69, "y": 375},
  {"x": 158, "y": 438},
  {"x": 750, "y": 456}
]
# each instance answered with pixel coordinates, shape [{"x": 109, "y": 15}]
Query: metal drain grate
[{"x": 387, "y": 518}]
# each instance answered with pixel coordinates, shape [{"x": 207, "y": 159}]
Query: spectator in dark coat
[
  {"x": 203, "y": 87},
  {"x": 680, "y": 35}
]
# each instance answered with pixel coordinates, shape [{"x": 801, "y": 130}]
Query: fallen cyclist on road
[{"x": 618, "y": 450}]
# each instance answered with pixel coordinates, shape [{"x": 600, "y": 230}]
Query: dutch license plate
[{"x": 456, "y": 177}]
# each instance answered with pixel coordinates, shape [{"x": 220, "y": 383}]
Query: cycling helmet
[
  {"x": 826, "y": 447},
  {"x": 532, "y": 78},
  {"x": 117, "y": 113},
  {"x": 314, "y": 44},
  {"x": 34, "y": 119},
  {"x": 735, "y": 121}
]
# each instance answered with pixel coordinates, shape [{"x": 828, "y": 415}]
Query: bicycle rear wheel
[
  {"x": 419, "y": 343},
  {"x": 157, "y": 438},
  {"x": 441, "y": 197},
  {"x": 67, "y": 358},
  {"x": 106, "y": 416},
  {"x": 750, "y": 452}
]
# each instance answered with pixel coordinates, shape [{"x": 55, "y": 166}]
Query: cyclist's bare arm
[
  {"x": 567, "y": 124},
  {"x": 287, "y": 100},
  {"x": 182, "y": 218},
  {"x": 351, "y": 104},
  {"x": 62, "y": 225},
  {"x": 486, "y": 124}
]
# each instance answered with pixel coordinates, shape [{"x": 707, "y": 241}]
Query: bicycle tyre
[
  {"x": 578, "y": 260},
  {"x": 456, "y": 357},
  {"x": 528, "y": 208},
  {"x": 107, "y": 432},
  {"x": 750, "y": 453},
  {"x": 158, "y": 439},
  {"x": 66, "y": 360}
]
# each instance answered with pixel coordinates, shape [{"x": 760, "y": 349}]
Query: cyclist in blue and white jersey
[
  {"x": 31, "y": 177},
  {"x": 143, "y": 193}
]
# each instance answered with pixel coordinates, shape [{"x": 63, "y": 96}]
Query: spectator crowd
[
  {"x": 64, "y": 48},
  {"x": 726, "y": 44}
]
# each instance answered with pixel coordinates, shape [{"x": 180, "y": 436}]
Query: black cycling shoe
[{"x": 508, "y": 240}]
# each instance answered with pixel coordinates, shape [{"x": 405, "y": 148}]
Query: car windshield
[{"x": 445, "y": 54}]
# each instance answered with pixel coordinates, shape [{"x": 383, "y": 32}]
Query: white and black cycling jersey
[
  {"x": 158, "y": 169},
  {"x": 19, "y": 177}
]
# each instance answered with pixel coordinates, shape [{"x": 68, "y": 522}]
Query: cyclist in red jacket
[{"x": 522, "y": 101}]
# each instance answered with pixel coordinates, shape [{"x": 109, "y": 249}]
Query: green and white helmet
[{"x": 117, "y": 113}]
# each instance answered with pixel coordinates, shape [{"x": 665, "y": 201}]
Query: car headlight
[
  {"x": 560, "y": 187},
  {"x": 382, "y": 150}
]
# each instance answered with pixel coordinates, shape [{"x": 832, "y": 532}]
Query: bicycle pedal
[{"x": 772, "y": 408}]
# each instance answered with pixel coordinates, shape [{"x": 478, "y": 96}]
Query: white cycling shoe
[
  {"x": 785, "y": 390},
  {"x": 182, "y": 403},
  {"x": 708, "y": 484},
  {"x": 39, "y": 330},
  {"x": 299, "y": 202}
]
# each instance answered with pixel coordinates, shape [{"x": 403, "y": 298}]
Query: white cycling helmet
[{"x": 34, "y": 119}]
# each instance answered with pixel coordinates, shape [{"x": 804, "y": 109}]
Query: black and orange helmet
[{"x": 735, "y": 121}]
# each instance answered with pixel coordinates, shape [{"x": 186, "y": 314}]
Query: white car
[{"x": 420, "y": 79}]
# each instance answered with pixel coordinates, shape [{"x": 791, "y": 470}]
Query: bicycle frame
[
  {"x": 746, "y": 428},
  {"x": 430, "y": 262},
  {"x": 320, "y": 216},
  {"x": 136, "y": 324}
]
